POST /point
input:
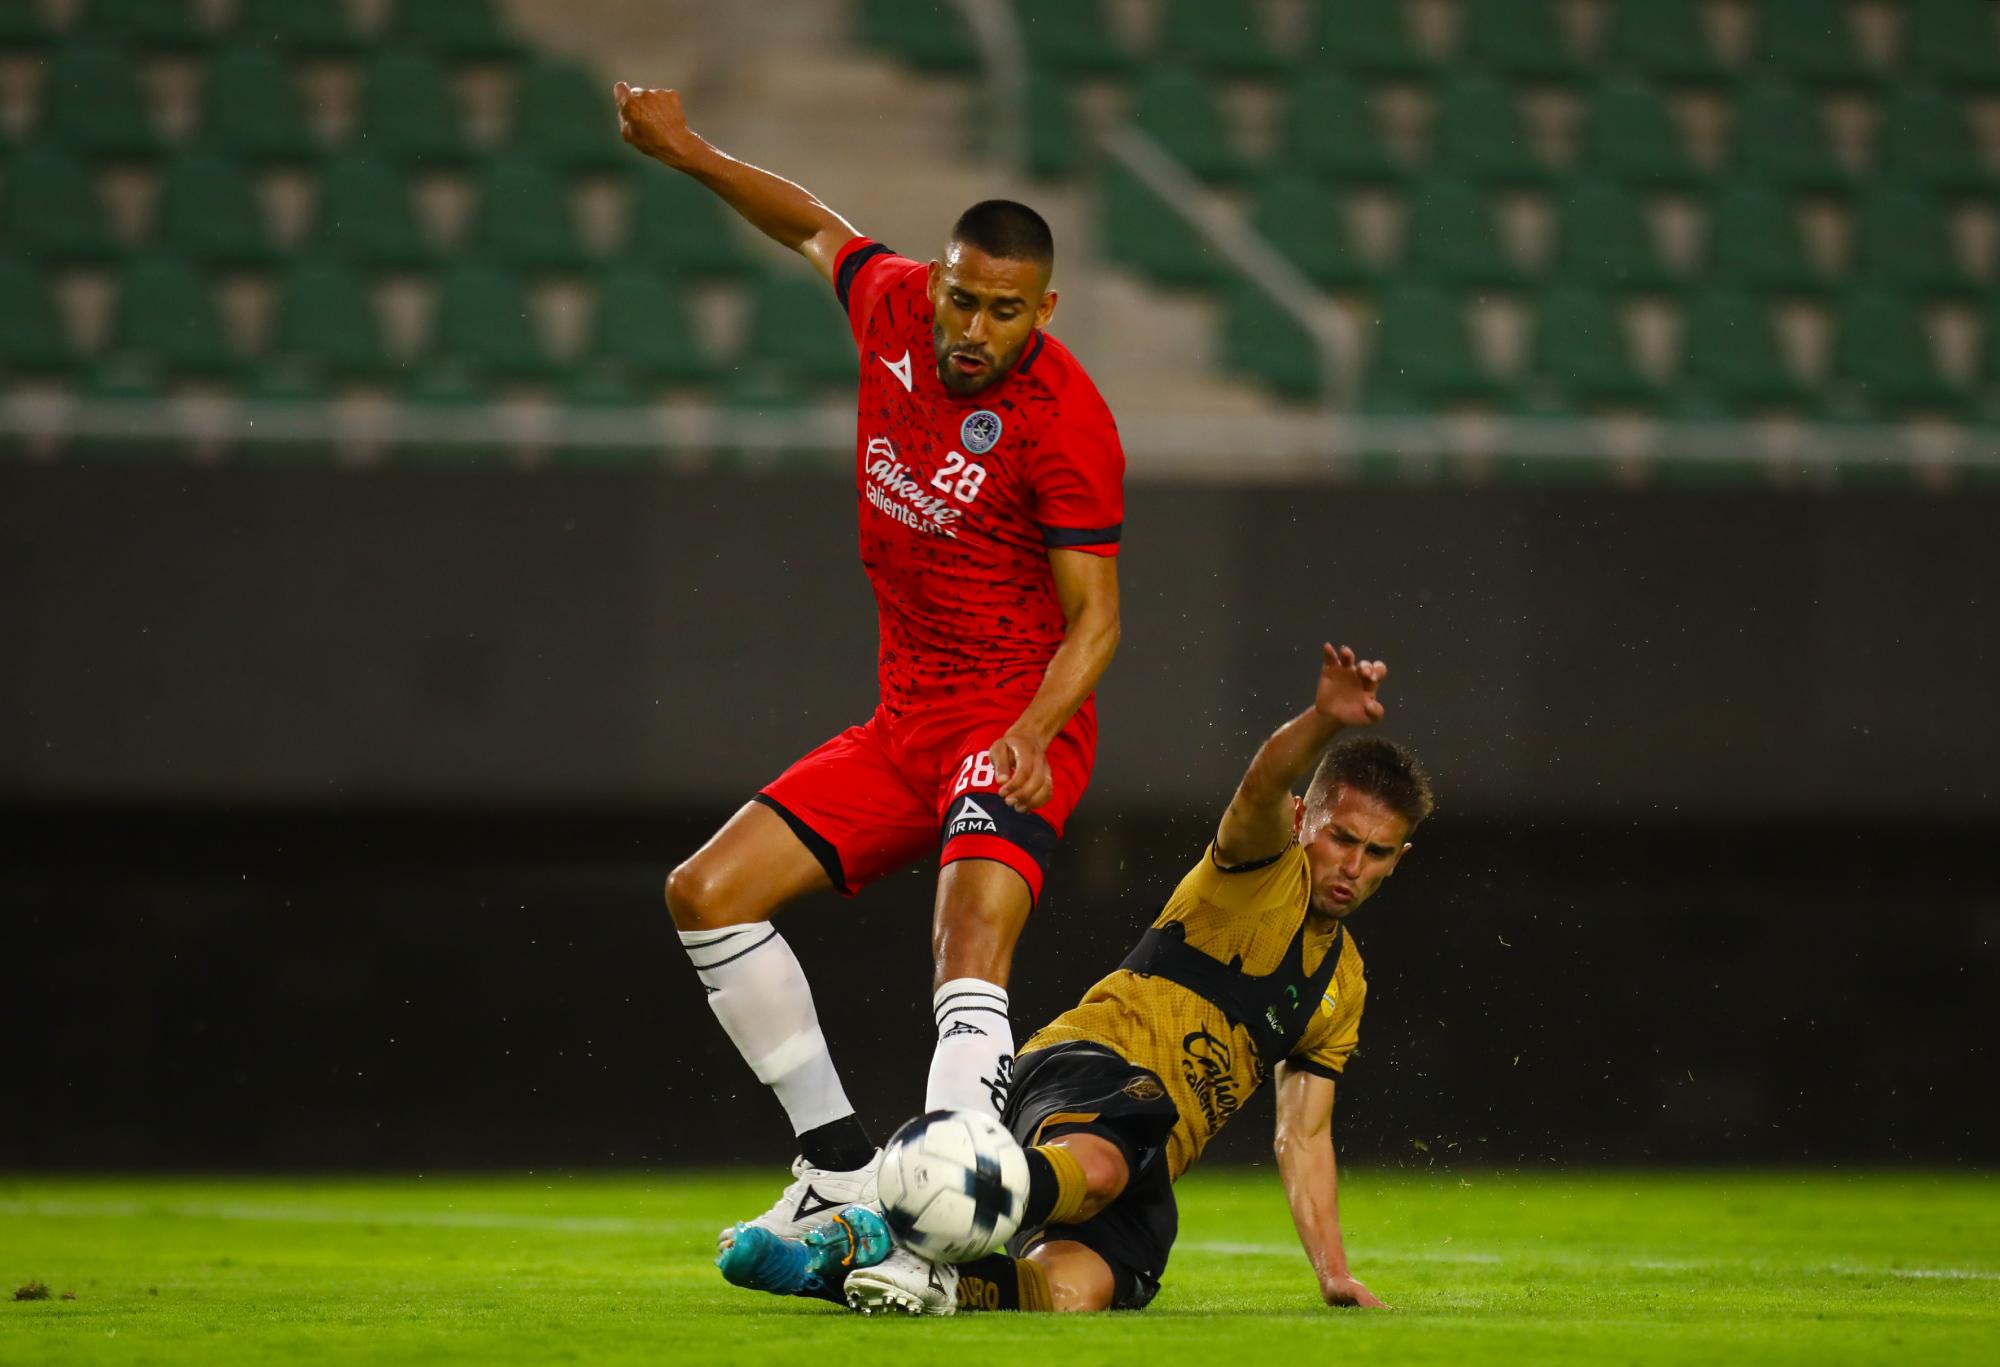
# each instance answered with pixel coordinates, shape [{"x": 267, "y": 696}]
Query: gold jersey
[{"x": 1211, "y": 1066}]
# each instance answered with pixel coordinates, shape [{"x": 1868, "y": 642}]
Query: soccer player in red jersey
[{"x": 989, "y": 484}]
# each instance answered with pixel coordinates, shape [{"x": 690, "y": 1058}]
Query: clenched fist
[{"x": 652, "y": 121}]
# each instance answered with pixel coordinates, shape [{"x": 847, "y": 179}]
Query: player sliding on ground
[
  {"x": 989, "y": 483},
  {"x": 1248, "y": 973}
]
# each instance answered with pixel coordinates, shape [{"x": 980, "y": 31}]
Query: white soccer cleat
[
  {"x": 815, "y": 1196},
  {"x": 903, "y": 1282}
]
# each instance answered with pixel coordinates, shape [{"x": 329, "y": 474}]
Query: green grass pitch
[{"x": 1484, "y": 1267}]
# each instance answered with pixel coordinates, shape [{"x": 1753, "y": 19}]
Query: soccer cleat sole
[{"x": 873, "y": 1298}]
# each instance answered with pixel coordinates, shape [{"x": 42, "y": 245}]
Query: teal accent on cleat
[
  {"x": 759, "y": 1260},
  {"x": 855, "y": 1238}
]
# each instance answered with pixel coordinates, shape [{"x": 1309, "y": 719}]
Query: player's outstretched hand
[
  {"x": 1346, "y": 1291},
  {"x": 1347, "y": 687},
  {"x": 1021, "y": 763},
  {"x": 652, "y": 121}
]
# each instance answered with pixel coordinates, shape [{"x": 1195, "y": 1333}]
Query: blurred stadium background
[{"x": 422, "y": 520}]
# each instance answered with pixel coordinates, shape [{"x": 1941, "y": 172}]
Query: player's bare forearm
[
  {"x": 1304, "y": 1148},
  {"x": 1087, "y": 588},
  {"x": 787, "y": 213}
]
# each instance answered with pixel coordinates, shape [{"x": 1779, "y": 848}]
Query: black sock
[
  {"x": 1041, "y": 1190},
  {"x": 838, "y": 1146}
]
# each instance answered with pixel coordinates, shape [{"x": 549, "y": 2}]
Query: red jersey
[{"x": 961, "y": 499}]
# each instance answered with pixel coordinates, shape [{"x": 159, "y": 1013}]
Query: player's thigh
[
  {"x": 1079, "y": 1278},
  {"x": 747, "y": 870}
]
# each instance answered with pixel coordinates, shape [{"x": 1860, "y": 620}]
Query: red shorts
[{"x": 881, "y": 795}]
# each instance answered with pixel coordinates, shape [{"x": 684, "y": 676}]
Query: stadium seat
[
  {"x": 1178, "y": 109},
  {"x": 1260, "y": 339},
  {"x": 92, "y": 103},
  {"x": 1301, "y": 217},
  {"x": 1481, "y": 135},
  {"x": 1145, "y": 232},
  {"x": 166, "y": 315},
  {"x": 1226, "y": 39},
  {"x": 1883, "y": 359},
  {"x": 409, "y": 113},
  {"x": 210, "y": 214},
  {"x": 1732, "y": 355},
  {"x": 1450, "y": 237},
  {"x": 1604, "y": 240},
  {"x": 253, "y": 109},
  {"x": 145, "y": 25},
  {"x": 1423, "y": 352},
  {"x": 293, "y": 385},
  {"x": 679, "y": 225},
  {"x": 1052, "y": 135},
  {"x": 564, "y": 119},
  {"x": 1811, "y": 41},
  {"x": 365, "y": 215},
  {"x": 483, "y": 318},
  {"x": 325, "y": 316},
  {"x": 126, "y": 377},
  {"x": 524, "y": 219},
  {"x": 643, "y": 327},
  {"x": 1664, "y": 40},
  {"x": 1755, "y": 244},
  {"x": 1367, "y": 38},
  {"x": 31, "y": 333},
  {"x": 456, "y": 30},
  {"x": 1901, "y": 241},
  {"x": 440, "y": 391},
  {"x": 1519, "y": 39},
  {"x": 796, "y": 323},
  {"x": 1331, "y": 131},
  {"x": 1781, "y": 138},
  {"x": 1954, "y": 41},
  {"x": 49, "y": 207},
  {"x": 1072, "y": 36},
  {"x": 1632, "y": 137},
  {"x": 23, "y": 26},
  {"x": 1924, "y": 138},
  {"x": 931, "y": 34},
  {"x": 304, "y": 28},
  {"x": 1581, "y": 353}
]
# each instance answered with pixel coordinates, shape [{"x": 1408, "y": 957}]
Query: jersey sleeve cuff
[
  {"x": 848, "y": 264},
  {"x": 1315, "y": 1067},
  {"x": 1096, "y": 540}
]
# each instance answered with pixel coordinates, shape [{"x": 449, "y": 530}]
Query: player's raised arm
[
  {"x": 1261, "y": 818},
  {"x": 1304, "y": 1146},
  {"x": 652, "y": 121}
]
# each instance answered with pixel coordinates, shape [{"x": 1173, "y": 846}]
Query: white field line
[
  {"x": 1443, "y": 1255},
  {"x": 325, "y": 1215}
]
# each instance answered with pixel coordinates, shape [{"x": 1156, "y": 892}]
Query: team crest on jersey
[
  {"x": 980, "y": 432},
  {"x": 1143, "y": 1089}
]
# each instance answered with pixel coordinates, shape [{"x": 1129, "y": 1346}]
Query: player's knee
[
  {"x": 1104, "y": 1176},
  {"x": 696, "y": 898}
]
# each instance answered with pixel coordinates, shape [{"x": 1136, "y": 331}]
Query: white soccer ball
[{"x": 953, "y": 1185}]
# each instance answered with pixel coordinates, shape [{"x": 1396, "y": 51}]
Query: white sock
[
  {"x": 759, "y": 993},
  {"x": 974, "y": 1062}
]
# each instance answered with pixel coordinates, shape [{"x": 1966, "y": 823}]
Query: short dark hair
[
  {"x": 1382, "y": 769},
  {"x": 1006, "y": 229}
]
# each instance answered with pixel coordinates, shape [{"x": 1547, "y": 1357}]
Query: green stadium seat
[
  {"x": 1581, "y": 353},
  {"x": 1519, "y": 39},
  {"x": 1924, "y": 138},
  {"x": 1178, "y": 109},
  {"x": 1331, "y": 131},
  {"x": 1664, "y": 40},
  {"x": 1072, "y": 36},
  {"x": 1423, "y": 352},
  {"x": 1367, "y": 38},
  {"x": 1754, "y": 243},
  {"x": 1781, "y": 138},
  {"x": 1811, "y": 41},
  {"x": 1481, "y": 135},
  {"x": 643, "y": 327},
  {"x": 1260, "y": 339},
  {"x": 210, "y": 214},
  {"x": 325, "y": 316},
  {"x": 484, "y": 318},
  {"x": 1954, "y": 41},
  {"x": 92, "y": 103},
  {"x": 1450, "y": 237},
  {"x": 1226, "y": 39},
  {"x": 304, "y": 28},
  {"x": 1901, "y": 242},
  {"x": 24, "y": 27},
  {"x": 681, "y": 226},
  {"x": 365, "y": 216},
  {"x": 31, "y": 334},
  {"x": 1604, "y": 240},
  {"x": 253, "y": 109},
  {"x": 1051, "y": 132},
  {"x": 796, "y": 323},
  {"x": 524, "y": 219},
  {"x": 50, "y": 209},
  {"x": 1145, "y": 232},
  {"x": 931, "y": 34},
  {"x": 448, "y": 391},
  {"x": 1883, "y": 360},
  {"x": 564, "y": 119},
  {"x": 456, "y": 30},
  {"x": 409, "y": 113},
  {"x": 145, "y": 25},
  {"x": 166, "y": 314},
  {"x": 1301, "y": 217},
  {"x": 131, "y": 385},
  {"x": 1633, "y": 137},
  {"x": 293, "y": 388},
  {"x": 1732, "y": 355}
]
